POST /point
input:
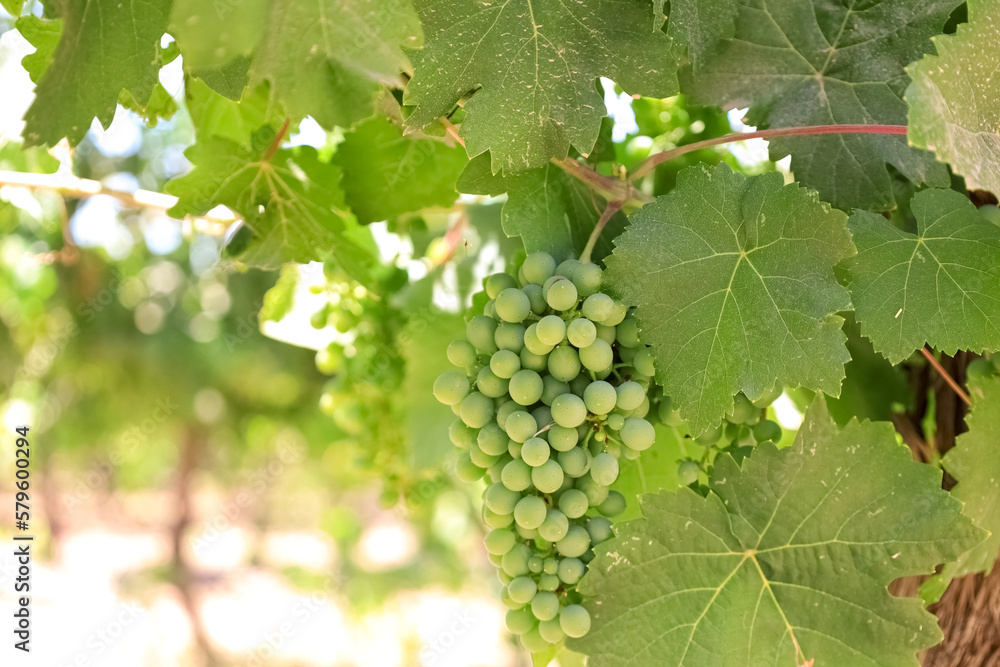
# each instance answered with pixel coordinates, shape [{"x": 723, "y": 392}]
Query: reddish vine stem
[
  {"x": 653, "y": 161},
  {"x": 946, "y": 376},
  {"x": 276, "y": 144},
  {"x": 609, "y": 212}
]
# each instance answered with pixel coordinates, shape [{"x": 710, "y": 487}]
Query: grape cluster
[{"x": 553, "y": 389}]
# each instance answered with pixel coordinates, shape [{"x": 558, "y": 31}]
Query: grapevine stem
[
  {"x": 946, "y": 376},
  {"x": 609, "y": 212},
  {"x": 276, "y": 144},
  {"x": 653, "y": 161}
]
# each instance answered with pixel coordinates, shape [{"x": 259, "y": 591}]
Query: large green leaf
[
  {"x": 699, "y": 25},
  {"x": 785, "y": 562},
  {"x": 387, "y": 174},
  {"x": 327, "y": 58},
  {"x": 939, "y": 286},
  {"x": 655, "y": 470},
  {"x": 533, "y": 65},
  {"x": 107, "y": 47},
  {"x": 289, "y": 201},
  {"x": 549, "y": 209},
  {"x": 733, "y": 279},
  {"x": 212, "y": 34},
  {"x": 975, "y": 462},
  {"x": 954, "y": 98},
  {"x": 796, "y": 62},
  {"x": 44, "y": 36}
]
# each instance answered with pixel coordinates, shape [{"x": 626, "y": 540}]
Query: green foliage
[
  {"x": 532, "y": 67},
  {"x": 742, "y": 270},
  {"x": 387, "y": 174},
  {"x": 783, "y": 562},
  {"x": 106, "y": 47},
  {"x": 940, "y": 286},
  {"x": 954, "y": 98},
  {"x": 795, "y": 62}
]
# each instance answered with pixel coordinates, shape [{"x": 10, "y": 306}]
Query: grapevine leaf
[
  {"x": 229, "y": 81},
  {"x": 212, "y": 34},
  {"x": 386, "y": 174},
  {"x": 546, "y": 207},
  {"x": 533, "y": 66},
  {"x": 954, "y": 98},
  {"x": 785, "y": 562},
  {"x": 278, "y": 300},
  {"x": 107, "y": 46},
  {"x": 975, "y": 462},
  {"x": 733, "y": 279},
  {"x": 655, "y": 470},
  {"x": 815, "y": 63},
  {"x": 13, "y": 7},
  {"x": 44, "y": 36},
  {"x": 940, "y": 286},
  {"x": 289, "y": 201},
  {"x": 327, "y": 58},
  {"x": 215, "y": 115},
  {"x": 699, "y": 25}
]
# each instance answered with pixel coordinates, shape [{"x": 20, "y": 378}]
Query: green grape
[
  {"x": 600, "y": 397},
  {"x": 538, "y": 267},
  {"x": 479, "y": 331},
  {"x": 581, "y": 332},
  {"x": 596, "y": 493},
  {"x": 614, "y": 505},
  {"x": 550, "y": 566},
  {"x": 768, "y": 397},
  {"x": 501, "y": 575},
  {"x": 513, "y": 305},
  {"x": 521, "y": 426},
  {"x": 451, "y": 387},
  {"x": 504, "y": 364},
  {"x": 522, "y": 589},
  {"x": 476, "y": 410},
  {"x": 687, "y": 473},
  {"x": 505, "y": 411},
  {"x": 530, "y": 512},
  {"x": 549, "y": 283},
  {"x": 574, "y": 621},
  {"x": 489, "y": 384},
  {"x": 535, "y": 564},
  {"x": 550, "y": 330},
  {"x": 710, "y": 437},
  {"x": 499, "y": 541},
  {"x": 667, "y": 414},
  {"x": 519, "y": 621},
  {"x": 604, "y": 469},
  {"x": 568, "y": 268},
  {"x": 498, "y": 282},
  {"x": 627, "y": 332},
  {"x": 554, "y": 527},
  {"x": 330, "y": 360},
  {"x": 743, "y": 411},
  {"x": 638, "y": 434},
  {"x": 516, "y": 475},
  {"x": 643, "y": 362},
  {"x": 562, "y": 295},
  {"x": 509, "y": 336},
  {"x": 615, "y": 421},
  {"x": 461, "y": 353},
  {"x": 533, "y": 642},
  {"x": 490, "y": 309},
  {"x": 532, "y": 343},
  {"x": 514, "y": 449},
  {"x": 545, "y": 606},
  {"x": 587, "y": 279},
  {"x": 766, "y": 430},
  {"x": 501, "y": 499},
  {"x": 598, "y": 307},
  {"x": 642, "y": 410},
  {"x": 576, "y": 542},
  {"x": 547, "y": 477},
  {"x": 598, "y": 356},
  {"x": 492, "y": 439},
  {"x": 551, "y": 630},
  {"x": 534, "y": 294},
  {"x": 599, "y": 529},
  {"x": 494, "y": 520},
  {"x": 526, "y": 533},
  {"x": 575, "y": 462},
  {"x": 535, "y": 452},
  {"x": 607, "y": 334},
  {"x": 461, "y": 435},
  {"x": 515, "y": 561},
  {"x": 579, "y": 384},
  {"x": 571, "y": 570},
  {"x": 744, "y": 437},
  {"x": 549, "y": 582},
  {"x": 319, "y": 319},
  {"x": 466, "y": 470},
  {"x": 552, "y": 389},
  {"x": 562, "y": 439},
  {"x": 618, "y": 312},
  {"x": 532, "y": 361},
  {"x": 542, "y": 415},
  {"x": 569, "y": 410},
  {"x": 526, "y": 387},
  {"x": 564, "y": 363}
]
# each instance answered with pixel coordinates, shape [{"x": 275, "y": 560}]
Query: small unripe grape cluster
[
  {"x": 743, "y": 428},
  {"x": 552, "y": 390}
]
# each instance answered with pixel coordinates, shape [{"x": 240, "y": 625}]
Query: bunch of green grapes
[
  {"x": 553, "y": 389},
  {"x": 364, "y": 395},
  {"x": 743, "y": 428}
]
